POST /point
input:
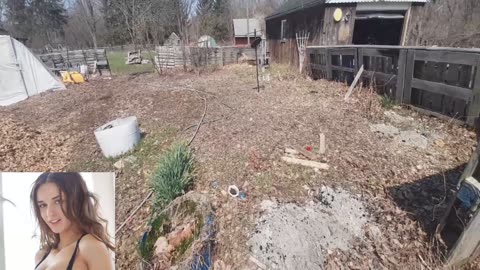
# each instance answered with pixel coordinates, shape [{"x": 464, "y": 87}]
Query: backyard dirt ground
[{"x": 398, "y": 163}]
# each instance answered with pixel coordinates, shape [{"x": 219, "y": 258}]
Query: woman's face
[{"x": 51, "y": 206}]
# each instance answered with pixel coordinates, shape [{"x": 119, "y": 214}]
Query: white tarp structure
[{"x": 22, "y": 74}]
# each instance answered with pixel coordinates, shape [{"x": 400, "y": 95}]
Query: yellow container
[{"x": 72, "y": 77}]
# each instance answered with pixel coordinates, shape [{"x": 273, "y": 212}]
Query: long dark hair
[{"x": 81, "y": 208}]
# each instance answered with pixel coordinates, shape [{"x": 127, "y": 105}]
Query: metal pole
[
  {"x": 248, "y": 25},
  {"x": 256, "y": 59},
  {"x": 2, "y": 232}
]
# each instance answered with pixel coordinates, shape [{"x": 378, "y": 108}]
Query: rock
[
  {"x": 386, "y": 130},
  {"x": 374, "y": 232},
  {"x": 412, "y": 138},
  {"x": 120, "y": 164},
  {"x": 130, "y": 159},
  {"x": 395, "y": 117},
  {"x": 181, "y": 233},
  {"x": 439, "y": 143},
  {"x": 161, "y": 246}
]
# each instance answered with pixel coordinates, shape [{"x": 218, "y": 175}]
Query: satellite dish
[{"x": 337, "y": 14}]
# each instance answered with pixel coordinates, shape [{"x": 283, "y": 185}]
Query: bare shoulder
[
  {"x": 39, "y": 255},
  {"x": 95, "y": 253}
]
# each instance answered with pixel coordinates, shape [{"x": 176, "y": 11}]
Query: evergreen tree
[
  {"x": 47, "y": 18},
  {"x": 214, "y": 18}
]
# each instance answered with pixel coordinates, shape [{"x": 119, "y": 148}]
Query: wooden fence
[
  {"x": 61, "y": 60},
  {"x": 444, "y": 82},
  {"x": 173, "y": 57}
]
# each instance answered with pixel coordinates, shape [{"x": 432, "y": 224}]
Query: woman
[{"x": 71, "y": 234}]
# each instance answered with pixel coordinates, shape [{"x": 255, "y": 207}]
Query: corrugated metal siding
[
  {"x": 240, "y": 27},
  {"x": 372, "y": 1}
]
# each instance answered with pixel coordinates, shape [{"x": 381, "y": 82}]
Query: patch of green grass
[
  {"x": 117, "y": 63},
  {"x": 173, "y": 175},
  {"x": 159, "y": 226},
  {"x": 387, "y": 102}
]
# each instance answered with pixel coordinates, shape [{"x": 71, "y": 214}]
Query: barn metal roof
[
  {"x": 293, "y": 6},
  {"x": 372, "y": 1},
  {"x": 297, "y": 5}
]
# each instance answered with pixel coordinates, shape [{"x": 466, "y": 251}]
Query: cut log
[
  {"x": 308, "y": 163},
  {"x": 354, "y": 83}
]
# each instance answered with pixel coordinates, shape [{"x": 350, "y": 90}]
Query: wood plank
[
  {"x": 360, "y": 54},
  {"x": 354, "y": 83},
  {"x": 346, "y": 69},
  {"x": 378, "y": 52},
  {"x": 466, "y": 244},
  {"x": 402, "y": 61},
  {"x": 329, "y": 65},
  {"x": 346, "y": 51},
  {"x": 449, "y": 90},
  {"x": 383, "y": 76},
  {"x": 317, "y": 66},
  {"x": 473, "y": 109},
  {"x": 407, "y": 86},
  {"x": 308, "y": 163},
  {"x": 447, "y": 57},
  {"x": 436, "y": 114}
]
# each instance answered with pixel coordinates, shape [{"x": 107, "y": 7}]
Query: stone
[
  {"x": 439, "y": 143},
  {"x": 120, "y": 164},
  {"x": 161, "y": 246}
]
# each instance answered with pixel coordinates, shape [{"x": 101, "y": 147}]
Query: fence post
[
  {"x": 359, "y": 58},
  {"x": 402, "y": 63},
  {"x": 328, "y": 60},
  {"x": 356, "y": 57},
  {"x": 474, "y": 104},
  {"x": 221, "y": 56},
  {"x": 407, "y": 85}
]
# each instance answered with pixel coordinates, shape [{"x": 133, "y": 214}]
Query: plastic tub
[{"x": 118, "y": 136}]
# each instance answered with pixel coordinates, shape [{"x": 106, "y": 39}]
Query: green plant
[
  {"x": 158, "y": 227},
  {"x": 387, "y": 102},
  {"x": 173, "y": 175}
]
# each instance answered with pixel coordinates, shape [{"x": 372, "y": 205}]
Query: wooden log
[{"x": 308, "y": 163}]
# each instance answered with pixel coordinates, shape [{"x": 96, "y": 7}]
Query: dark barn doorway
[{"x": 378, "y": 29}]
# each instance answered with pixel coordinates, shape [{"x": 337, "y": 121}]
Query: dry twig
[
  {"x": 134, "y": 212},
  {"x": 199, "y": 123}
]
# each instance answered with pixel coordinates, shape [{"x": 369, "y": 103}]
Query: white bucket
[{"x": 118, "y": 136}]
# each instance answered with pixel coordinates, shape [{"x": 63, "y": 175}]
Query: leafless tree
[
  {"x": 91, "y": 17},
  {"x": 135, "y": 13},
  {"x": 446, "y": 23}
]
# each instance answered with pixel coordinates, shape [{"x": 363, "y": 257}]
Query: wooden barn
[{"x": 338, "y": 22}]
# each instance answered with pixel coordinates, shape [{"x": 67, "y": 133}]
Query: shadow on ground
[{"x": 425, "y": 199}]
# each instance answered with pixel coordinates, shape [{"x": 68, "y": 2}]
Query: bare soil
[{"x": 241, "y": 142}]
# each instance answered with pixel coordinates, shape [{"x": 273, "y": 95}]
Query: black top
[{"x": 70, "y": 264}]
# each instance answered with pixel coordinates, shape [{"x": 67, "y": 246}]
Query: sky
[{"x": 19, "y": 223}]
